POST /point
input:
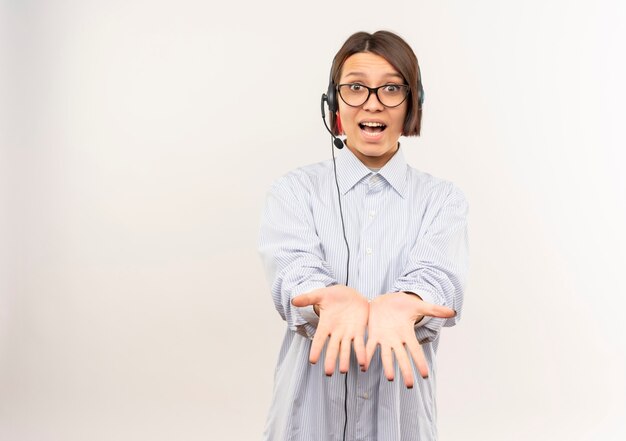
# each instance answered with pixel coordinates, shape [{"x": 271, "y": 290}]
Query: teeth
[
  {"x": 373, "y": 134},
  {"x": 372, "y": 124}
]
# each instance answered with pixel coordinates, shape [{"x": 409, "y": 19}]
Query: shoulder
[
  {"x": 427, "y": 186},
  {"x": 303, "y": 179}
]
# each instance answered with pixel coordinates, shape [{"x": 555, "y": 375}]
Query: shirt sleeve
[
  {"x": 291, "y": 252},
  {"x": 438, "y": 263}
]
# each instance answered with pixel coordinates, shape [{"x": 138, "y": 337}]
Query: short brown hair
[{"x": 397, "y": 53}]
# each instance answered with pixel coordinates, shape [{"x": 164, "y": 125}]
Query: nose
[{"x": 373, "y": 103}]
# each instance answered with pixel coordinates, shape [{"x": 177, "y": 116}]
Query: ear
[{"x": 339, "y": 126}]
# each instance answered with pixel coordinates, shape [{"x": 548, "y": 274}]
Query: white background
[{"x": 138, "y": 141}]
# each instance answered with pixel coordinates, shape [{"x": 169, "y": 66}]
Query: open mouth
[{"x": 372, "y": 127}]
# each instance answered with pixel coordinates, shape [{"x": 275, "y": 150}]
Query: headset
[{"x": 330, "y": 98}]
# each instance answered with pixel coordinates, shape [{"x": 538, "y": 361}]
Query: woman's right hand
[{"x": 343, "y": 315}]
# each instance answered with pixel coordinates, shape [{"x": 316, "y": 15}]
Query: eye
[
  {"x": 356, "y": 87},
  {"x": 392, "y": 88}
]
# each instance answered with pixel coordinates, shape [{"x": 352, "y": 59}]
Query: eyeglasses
[{"x": 389, "y": 95}]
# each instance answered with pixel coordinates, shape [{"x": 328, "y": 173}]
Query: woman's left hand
[{"x": 391, "y": 325}]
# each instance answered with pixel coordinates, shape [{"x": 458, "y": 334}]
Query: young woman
[{"x": 367, "y": 260}]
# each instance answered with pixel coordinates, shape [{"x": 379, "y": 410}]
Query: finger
[
  {"x": 386, "y": 357},
  {"x": 311, "y": 298},
  {"x": 370, "y": 348},
  {"x": 417, "y": 353},
  {"x": 436, "y": 310},
  {"x": 332, "y": 349},
  {"x": 405, "y": 366},
  {"x": 359, "y": 350},
  {"x": 321, "y": 335},
  {"x": 344, "y": 355}
]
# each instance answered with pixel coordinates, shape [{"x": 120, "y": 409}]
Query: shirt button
[
  {"x": 368, "y": 251},
  {"x": 372, "y": 214},
  {"x": 365, "y": 396}
]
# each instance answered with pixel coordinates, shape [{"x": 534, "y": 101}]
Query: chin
[
  {"x": 375, "y": 149},
  {"x": 373, "y": 154}
]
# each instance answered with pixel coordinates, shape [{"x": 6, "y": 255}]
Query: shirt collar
[{"x": 350, "y": 170}]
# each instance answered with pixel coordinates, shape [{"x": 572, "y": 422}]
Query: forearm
[
  {"x": 292, "y": 255},
  {"x": 437, "y": 266},
  {"x": 296, "y": 279}
]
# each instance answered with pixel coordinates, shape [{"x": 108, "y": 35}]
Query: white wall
[{"x": 139, "y": 138}]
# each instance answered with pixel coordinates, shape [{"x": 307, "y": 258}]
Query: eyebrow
[{"x": 362, "y": 74}]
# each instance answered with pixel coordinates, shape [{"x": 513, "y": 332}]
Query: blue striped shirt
[{"x": 407, "y": 231}]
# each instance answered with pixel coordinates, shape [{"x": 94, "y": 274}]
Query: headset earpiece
[{"x": 331, "y": 96}]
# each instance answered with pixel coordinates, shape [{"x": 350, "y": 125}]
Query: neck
[{"x": 373, "y": 161}]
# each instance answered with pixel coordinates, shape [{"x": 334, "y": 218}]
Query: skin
[
  {"x": 372, "y": 71},
  {"x": 391, "y": 326},
  {"x": 345, "y": 314}
]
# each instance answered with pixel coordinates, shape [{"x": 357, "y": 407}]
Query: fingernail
[
  {"x": 454, "y": 312},
  {"x": 329, "y": 375},
  {"x": 409, "y": 387},
  {"x": 389, "y": 379}
]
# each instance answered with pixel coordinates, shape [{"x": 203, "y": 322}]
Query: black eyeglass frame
[{"x": 375, "y": 90}]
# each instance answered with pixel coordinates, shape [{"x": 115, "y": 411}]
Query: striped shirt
[{"x": 406, "y": 231}]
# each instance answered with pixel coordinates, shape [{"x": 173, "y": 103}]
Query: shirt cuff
[{"x": 308, "y": 314}]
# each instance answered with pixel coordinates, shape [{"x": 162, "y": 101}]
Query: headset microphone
[{"x": 336, "y": 141}]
